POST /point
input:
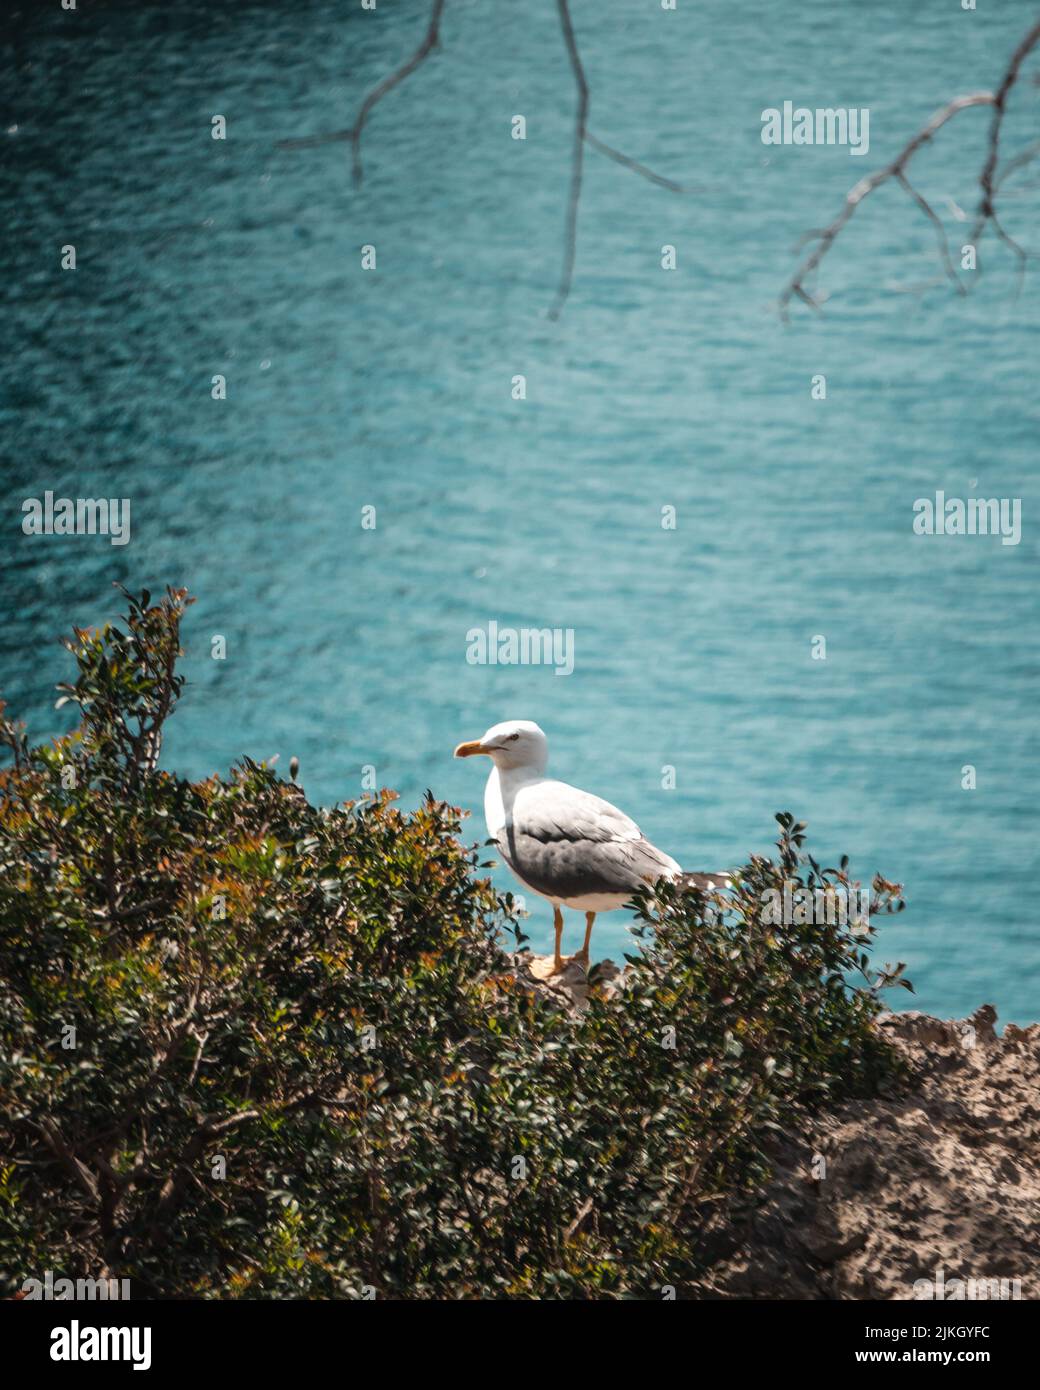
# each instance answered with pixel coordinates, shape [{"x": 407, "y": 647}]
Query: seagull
[{"x": 565, "y": 844}]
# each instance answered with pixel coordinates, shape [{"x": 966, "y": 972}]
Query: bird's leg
[
  {"x": 583, "y": 954},
  {"x": 558, "y": 924}
]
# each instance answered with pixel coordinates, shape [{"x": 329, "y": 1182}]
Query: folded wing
[{"x": 566, "y": 843}]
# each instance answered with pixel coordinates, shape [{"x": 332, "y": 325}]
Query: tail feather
[{"x": 707, "y": 883}]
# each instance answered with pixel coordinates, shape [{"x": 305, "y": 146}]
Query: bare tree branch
[
  {"x": 580, "y": 119},
  {"x": 989, "y": 181},
  {"x": 582, "y": 136},
  {"x": 826, "y": 236},
  {"x": 999, "y": 103},
  {"x": 431, "y": 40},
  {"x": 75, "y": 1166}
]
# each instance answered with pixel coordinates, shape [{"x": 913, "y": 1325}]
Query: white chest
[
  {"x": 501, "y": 792},
  {"x": 494, "y": 805}
]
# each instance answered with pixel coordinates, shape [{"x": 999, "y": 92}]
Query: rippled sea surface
[{"x": 392, "y": 388}]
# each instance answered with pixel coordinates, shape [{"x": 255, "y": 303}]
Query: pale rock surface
[{"x": 943, "y": 1176}]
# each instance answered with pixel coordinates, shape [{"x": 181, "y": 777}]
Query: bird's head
[{"x": 516, "y": 743}]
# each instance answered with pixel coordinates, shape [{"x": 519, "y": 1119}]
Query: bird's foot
[{"x": 580, "y": 958}]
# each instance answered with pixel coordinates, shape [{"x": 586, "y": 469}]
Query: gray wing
[{"x": 566, "y": 843}]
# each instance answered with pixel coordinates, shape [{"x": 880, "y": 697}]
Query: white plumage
[{"x": 563, "y": 843}]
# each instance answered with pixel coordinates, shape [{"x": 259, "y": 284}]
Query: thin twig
[
  {"x": 580, "y": 118},
  {"x": 1023, "y": 157},
  {"x": 431, "y": 40},
  {"x": 940, "y": 230},
  {"x": 1012, "y": 245},
  {"x": 583, "y": 1211},
  {"x": 629, "y": 163},
  {"x": 306, "y": 142},
  {"x": 582, "y": 136},
  {"x": 999, "y": 102},
  {"x": 989, "y": 181},
  {"x": 826, "y": 237},
  {"x": 75, "y": 1165}
]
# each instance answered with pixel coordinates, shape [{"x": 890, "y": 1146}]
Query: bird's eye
[{"x": 513, "y": 738}]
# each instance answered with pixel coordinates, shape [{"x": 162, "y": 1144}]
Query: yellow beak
[{"x": 467, "y": 750}]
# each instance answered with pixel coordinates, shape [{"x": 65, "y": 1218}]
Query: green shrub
[{"x": 254, "y": 1048}]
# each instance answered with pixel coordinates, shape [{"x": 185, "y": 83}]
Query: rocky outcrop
[
  {"x": 932, "y": 1191},
  {"x": 570, "y": 989}
]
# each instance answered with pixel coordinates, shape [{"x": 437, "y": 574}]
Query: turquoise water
[{"x": 392, "y": 388}]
